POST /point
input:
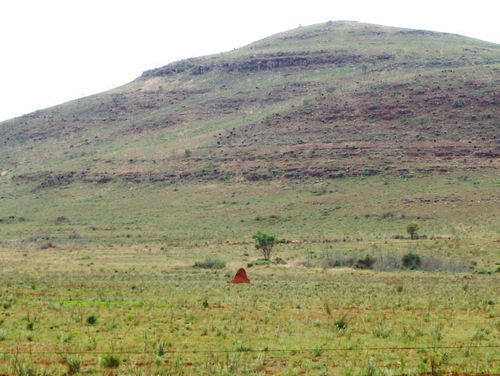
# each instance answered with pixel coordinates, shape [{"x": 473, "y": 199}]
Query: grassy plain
[
  {"x": 93, "y": 278},
  {"x": 158, "y": 315}
]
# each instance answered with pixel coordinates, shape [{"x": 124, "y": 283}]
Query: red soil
[{"x": 240, "y": 277}]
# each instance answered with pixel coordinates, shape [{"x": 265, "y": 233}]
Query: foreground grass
[{"x": 153, "y": 313}]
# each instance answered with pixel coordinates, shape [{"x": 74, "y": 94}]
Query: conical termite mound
[{"x": 240, "y": 277}]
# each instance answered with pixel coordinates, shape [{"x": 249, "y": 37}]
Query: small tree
[
  {"x": 265, "y": 243},
  {"x": 412, "y": 229}
]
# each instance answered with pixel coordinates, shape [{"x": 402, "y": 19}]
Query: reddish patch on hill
[{"x": 240, "y": 277}]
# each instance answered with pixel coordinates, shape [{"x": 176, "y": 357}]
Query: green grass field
[
  {"x": 91, "y": 282},
  {"x": 157, "y": 315}
]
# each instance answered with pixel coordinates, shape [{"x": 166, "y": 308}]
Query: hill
[
  {"x": 316, "y": 110},
  {"x": 340, "y": 90}
]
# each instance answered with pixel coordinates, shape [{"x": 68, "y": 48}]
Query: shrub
[
  {"x": 279, "y": 261},
  {"x": 365, "y": 263},
  {"x": 411, "y": 261},
  {"x": 351, "y": 260},
  {"x": 210, "y": 264},
  {"x": 46, "y": 245},
  {"x": 330, "y": 262},
  {"x": 20, "y": 367},
  {"x": 381, "y": 331},
  {"x": 387, "y": 261},
  {"x": 161, "y": 348},
  {"x": 342, "y": 323},
  {"x": 259, "y": 262},
  {"x": 73, "y": 363},
  {"x": 433, "y": 262},
  {"x": 110, "y": 361},
  {"x": 266, "y": 121},
  {"x": 91, "y": 319}
]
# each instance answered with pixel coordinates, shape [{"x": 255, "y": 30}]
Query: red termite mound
[{"x": 240, "y": 277}]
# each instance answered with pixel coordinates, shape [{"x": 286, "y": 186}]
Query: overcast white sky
[{"x": 53, "y": 51}]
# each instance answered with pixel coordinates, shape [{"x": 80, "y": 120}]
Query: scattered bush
[
  {"x": 91, "y": 319},
  {"x": 46, "y": 245},
  {"x": 365, "y": 263},
  {"x": 210, "y": 264},
  {"x": 259, "y": 262},
  {"x": 387, "y": 262},
  {"x": 266, "y": 121},
  {"x": 382, "y": 331},
  {"x": 437, "y": 263},
  {"x": 73, "y": 363},
  {"x": 342, "y": 323},
  {"x": 279, "y": 261},
  {"x": 21, "y": 367},
  {"x": 110, "y": 361},
  {"x": 161, "y": 348},
  {"x": 411, "y": 261},
  {"x": 354, "y": 260}
]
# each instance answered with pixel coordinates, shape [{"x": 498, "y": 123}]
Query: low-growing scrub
[
  {"x": 110, "y": 360},
  {"x": 73, "y": 363},
  {"x": 259, "y": 262},
  {"x": 91, "y": 319},
  {"x": 210, "y": 264},
  {"x": 387, "y": 261}
]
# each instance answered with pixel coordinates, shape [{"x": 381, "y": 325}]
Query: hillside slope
[{"x": 325, "y": 101}]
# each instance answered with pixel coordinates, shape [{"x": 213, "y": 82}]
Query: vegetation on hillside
[{"x": 326, "y": 101}]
